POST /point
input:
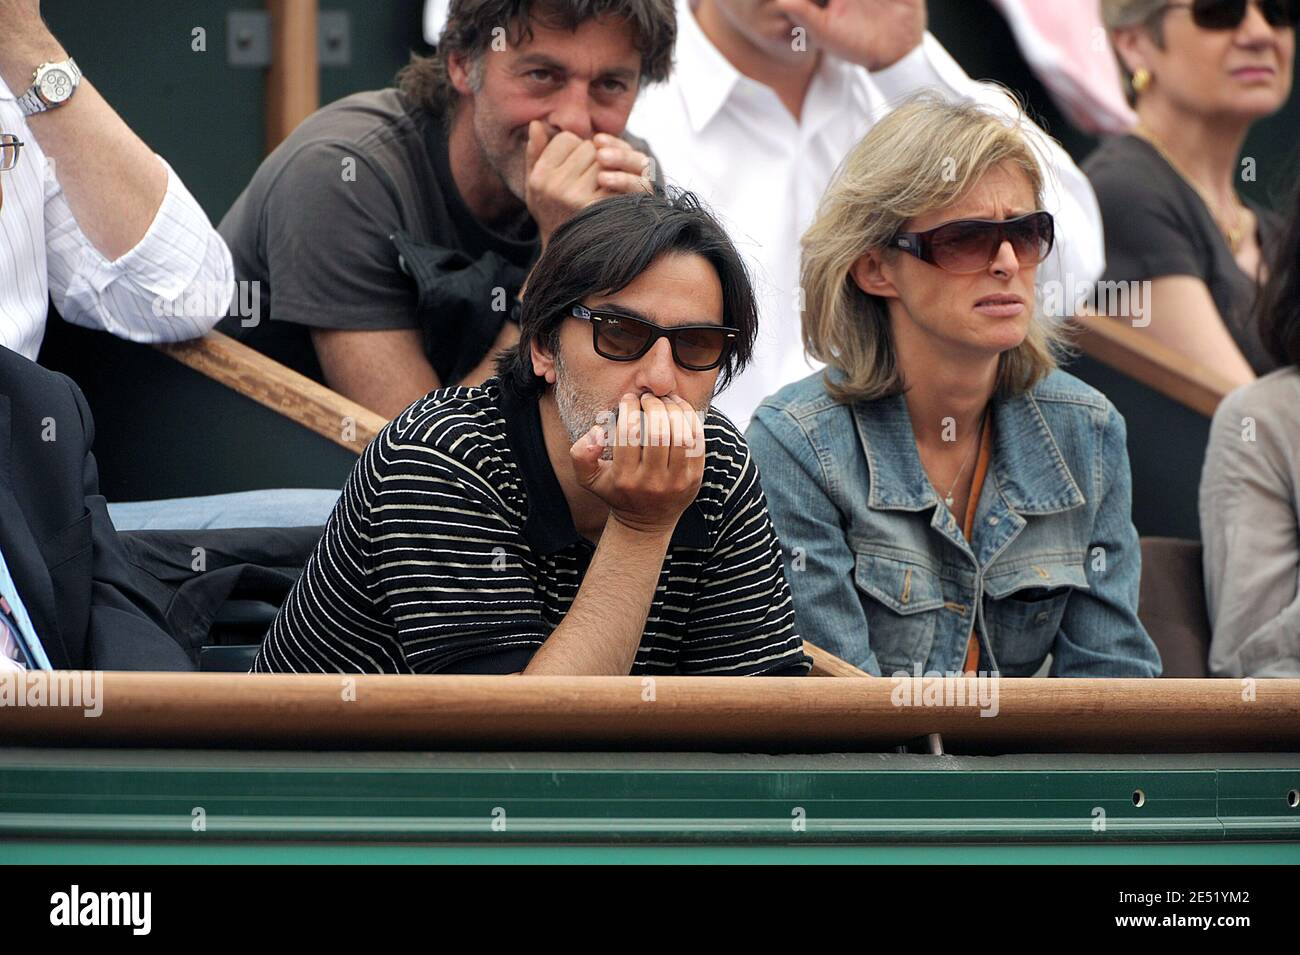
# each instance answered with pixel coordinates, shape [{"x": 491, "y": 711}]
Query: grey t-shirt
[
  {"x": 1158, "y": 225},
  {"x": 355, "y": 222}
]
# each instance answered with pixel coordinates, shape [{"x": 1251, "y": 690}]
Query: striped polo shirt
[{"x": 452, "y": 550}]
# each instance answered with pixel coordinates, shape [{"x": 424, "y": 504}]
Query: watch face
[{"x": 56, "y": 86}]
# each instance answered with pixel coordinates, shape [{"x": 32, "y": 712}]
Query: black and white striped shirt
[{"x": 452, "y": 549}]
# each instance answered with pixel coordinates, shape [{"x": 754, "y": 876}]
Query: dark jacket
[{"x": 70, "y": 569}]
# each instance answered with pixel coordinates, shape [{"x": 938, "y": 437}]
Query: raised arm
[
  {"x": 126, "y": 242},
  {"x": 647, "y": 489}
]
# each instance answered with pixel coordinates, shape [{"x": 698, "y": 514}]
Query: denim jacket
[{"x": 882, "y": 575}]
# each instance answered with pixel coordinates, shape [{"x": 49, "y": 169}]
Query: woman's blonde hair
[{"x": 921, "y": 158}]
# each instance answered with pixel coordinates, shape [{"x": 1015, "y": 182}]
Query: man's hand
[
  {"x": 622, "y": 168},
  {"x": 655, "y": 474},
  {"x": 566, "y": 174},
  {"x": 872, "y": 33}
]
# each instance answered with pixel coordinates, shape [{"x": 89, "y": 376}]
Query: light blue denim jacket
[{"x": 883, "y": 577}]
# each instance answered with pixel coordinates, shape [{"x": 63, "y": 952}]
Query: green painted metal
[
  {"x": 510, "y": 799},
  {"x": 213, "y": 853}
]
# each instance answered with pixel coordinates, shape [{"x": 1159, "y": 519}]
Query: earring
[{"x": 1141, "y": 80}]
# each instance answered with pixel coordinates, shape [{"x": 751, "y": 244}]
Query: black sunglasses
[
  {"x": 623, "y": 338},
  {"x": 970, "y": 245},
  {"x": 1228, "y": 14}
]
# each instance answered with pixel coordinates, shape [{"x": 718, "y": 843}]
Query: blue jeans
[{"x": 274, "y": 507}]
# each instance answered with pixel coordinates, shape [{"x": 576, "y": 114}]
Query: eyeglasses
[
  {"x": 10, "y": 147},
  {"x": 623, "y": 338},
  {"x": 1228, "y": 14},
  {"x": 970, "y": 245}
]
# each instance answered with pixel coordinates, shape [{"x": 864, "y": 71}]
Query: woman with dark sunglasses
[
  {"x": 1199, "y": 74},
  {"x": 948, "y": 501},
  {"x": 1250, "y": 495}
]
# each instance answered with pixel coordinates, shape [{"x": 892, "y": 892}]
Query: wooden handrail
[
  {"x": 281, "y": 389},
  {"x": 1116, "y": 343},
  {"x": 826, "y": 663},
  {"x": 293, "y": 81},
  {"x": 738, "y": 714}
]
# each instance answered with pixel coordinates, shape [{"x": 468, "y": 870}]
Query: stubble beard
[{"x": 580, "y": 410}]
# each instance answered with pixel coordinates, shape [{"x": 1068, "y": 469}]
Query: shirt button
[
  {"x": 993, "y": 522},
  {"x": 1041, "y": 618}
]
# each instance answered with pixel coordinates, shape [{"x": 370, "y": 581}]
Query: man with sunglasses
[{"x": 585, "y": 512}]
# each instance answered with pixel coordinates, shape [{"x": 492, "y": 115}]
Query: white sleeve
[
  {"x": 1248, "y": 527},
  {"x": 1080, "y": 254},
  {"x": 177, "y": 282}
]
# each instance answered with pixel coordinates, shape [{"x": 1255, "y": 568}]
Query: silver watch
[{"x": 54, "y": 85}]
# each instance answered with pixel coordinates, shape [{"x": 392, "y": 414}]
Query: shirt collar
[
  {"x": 1038, "y": 482},
  {"x": 705, "y": 77},
  {"x": 549, "y": 527}
]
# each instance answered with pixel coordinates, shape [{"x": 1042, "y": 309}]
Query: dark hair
[
  {"x": 607, "y": 245},
  {"x": 470, "y": 27},
  {"x": 1279, "y": 301}
]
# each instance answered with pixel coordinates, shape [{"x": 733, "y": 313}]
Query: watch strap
[{"x": 31, "y": 103}]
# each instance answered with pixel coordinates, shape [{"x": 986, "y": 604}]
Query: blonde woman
[
  {"x": 1199, "y": 75},
  {"x": 947, "y": 499}
]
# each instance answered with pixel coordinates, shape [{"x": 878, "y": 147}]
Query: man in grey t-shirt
[{"x": 390, "y": 233}]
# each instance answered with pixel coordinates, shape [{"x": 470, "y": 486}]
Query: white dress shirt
[
  {"x": 175, "y": 284},
  {"x": 731, "y": 141}
]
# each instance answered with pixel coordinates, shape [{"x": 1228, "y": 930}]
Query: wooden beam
[
  {"x": 293, "y": 81},
  {"x": 281, "y": 389},
  {"x": 826, "y": 663},
  {"x": 715, "y": 714},
  {"x": 1117, "y": 343}
]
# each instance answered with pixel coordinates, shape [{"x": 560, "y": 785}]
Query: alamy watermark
[
  {"x": 1061, "y": 299},
  {"x": 206, "y": 299},
  {"x": 77, "y": 689},
  {"x": 933, "y": 688}
]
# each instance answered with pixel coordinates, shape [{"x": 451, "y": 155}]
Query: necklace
[
  {"x": 979, "y": 439},
  {"x": 1234, "y": 232}
]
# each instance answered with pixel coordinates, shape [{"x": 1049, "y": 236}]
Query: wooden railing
[
  {"x": 1126, "y": 349},
  {"x": 826, "y": 663},
  {"x": 269, "y": 383},
  {"x": 737, "y": 714}
]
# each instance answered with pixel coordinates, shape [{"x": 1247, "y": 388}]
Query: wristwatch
[{"x": 54, "y": 85}]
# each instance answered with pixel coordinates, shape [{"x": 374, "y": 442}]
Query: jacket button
[{"x": 993, "y": 522}]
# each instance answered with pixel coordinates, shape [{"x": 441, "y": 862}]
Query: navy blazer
[{"x": 70, "y": 569}]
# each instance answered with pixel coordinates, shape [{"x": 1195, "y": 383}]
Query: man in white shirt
[
  {"x": 766, "y": 98},
  {"x": 92, "y": 216}
]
